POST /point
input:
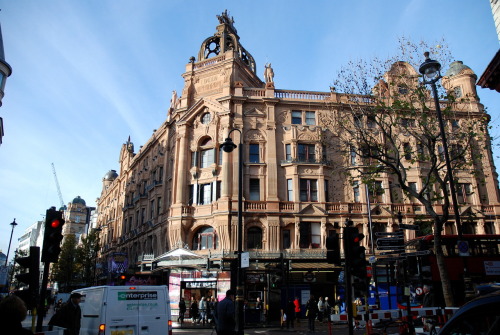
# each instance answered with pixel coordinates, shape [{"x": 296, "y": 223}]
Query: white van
[{"x": 125, "y": 310}]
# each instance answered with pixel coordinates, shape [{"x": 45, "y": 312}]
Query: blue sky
[{"x": 87, "y": 74}]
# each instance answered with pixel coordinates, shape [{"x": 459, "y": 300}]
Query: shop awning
[{"x": 179, "y": 257}]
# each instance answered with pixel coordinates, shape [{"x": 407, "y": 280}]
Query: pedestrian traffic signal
[
  {"x": 29, "y": 277},
  {"x": 333, "y": 249},
  {"x": 52, "y": 236}
]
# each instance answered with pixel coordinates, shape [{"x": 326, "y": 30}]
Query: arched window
[
  {"x": 205, "y": 238},
  {"x": 254, "y": 238},
  {"x": 205, "y": 155}
]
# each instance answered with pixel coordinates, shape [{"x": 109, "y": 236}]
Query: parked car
[{"x": 477, "y": 317}]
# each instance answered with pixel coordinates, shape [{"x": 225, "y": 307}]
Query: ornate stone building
[{"x": 180, "y": 190}]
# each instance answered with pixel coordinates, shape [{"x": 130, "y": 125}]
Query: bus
[{"x": 478, "y": 254}]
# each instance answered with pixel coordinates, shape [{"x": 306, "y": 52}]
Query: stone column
[
  {"x": 273, "y": 235},
  {"x": 180, "y": 177},
  {"x": 271, "y": 154}
]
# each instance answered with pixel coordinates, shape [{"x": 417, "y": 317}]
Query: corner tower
[
  {"x": 222, "y": 64},
  {"x": 460, "y": 81}
]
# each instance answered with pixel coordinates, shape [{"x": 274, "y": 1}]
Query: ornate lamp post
[
  {"x": 430, "y": 69},
  {"x": 228, "y": 146},
  {"x": 13, "y": 224}
]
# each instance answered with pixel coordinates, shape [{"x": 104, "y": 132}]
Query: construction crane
[{"x": 58, "y": 188}]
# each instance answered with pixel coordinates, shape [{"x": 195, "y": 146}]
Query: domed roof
[
  {"x": 78, "y": 200},
  {"x": 455, "y": 68},
  {"x": 110, "y": 175}
]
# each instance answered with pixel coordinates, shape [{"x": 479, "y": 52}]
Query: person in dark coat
[
  {"x": 225, "y": 318},
  {"x": 12, "y": 312},
  {"x": 69, "y": 315},
  {"x": 428, "y": 300},
  {"x": 290, "y": 313},
  {"x": 193, "y": 310},
  {"x": 182, "y": 311},
  {"x": 311, "y": 311}
]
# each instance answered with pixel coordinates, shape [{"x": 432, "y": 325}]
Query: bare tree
[{"x": 387, "y": 128}]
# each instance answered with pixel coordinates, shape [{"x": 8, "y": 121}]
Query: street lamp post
[
  {"x": 13, "y": 224},
  {"x": 228, "y": 146},
  {"x": 430, "y": 69}
]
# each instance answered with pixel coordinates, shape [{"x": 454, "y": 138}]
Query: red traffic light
[
  {"x": 55, "y": 223},
  {"x": 122, "y": 277},
  {"x": 358, "y": 238}
]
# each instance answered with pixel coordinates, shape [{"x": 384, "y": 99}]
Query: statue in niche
[
  {"x": 268, "y": 73},
  {"x": 297, "y": 234},
  {"x": 173, "y": 100},
  {"x": 323, "y": 233}
]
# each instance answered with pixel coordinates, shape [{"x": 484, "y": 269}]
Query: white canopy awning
[{"x": 178, "y": 258}]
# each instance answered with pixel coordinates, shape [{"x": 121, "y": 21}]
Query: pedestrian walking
[
  {"x": 202, "y": 307},
  {"x": 296, "y": 302},
  {"x": 311, "y": 312},
  {"x": 213, "y": 309},
  {"x": 193, "y": 310},
  {"x": 328, "y": 309},
  {"x": 321, "y": 309},
  {"x": 69, "y": 315},
  {"x": 182, "y": 311},
  {"x": 225, "y": 318},
  {"x": 259, "y": 306}
]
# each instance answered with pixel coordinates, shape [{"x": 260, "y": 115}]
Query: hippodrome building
[{"x": 169, "y": 215}]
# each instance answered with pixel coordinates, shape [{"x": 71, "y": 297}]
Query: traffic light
[
  {"x": 122, "y": 279},
  {"x": 30, "y": 277},
  {"x": 333, "y": 249},
  {"x": 356, "y": 260},
  {"x": 276, "y": 281},
  {"x": 53, "y": 235},
  {"x": 355, "y": 252}
]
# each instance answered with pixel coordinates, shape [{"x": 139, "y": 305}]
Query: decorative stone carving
[
  {"x": 206, "y": 175},
  {"x": 254, "y": 135},
  {"x": 282, "y": 117},
  {"x": 308, "y": 136}
]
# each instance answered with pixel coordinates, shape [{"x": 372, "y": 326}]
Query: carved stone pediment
[
  {"x": 312, "y": 210},
  {"x": 254, "y": 112}
]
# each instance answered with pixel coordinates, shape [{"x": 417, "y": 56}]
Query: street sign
[
  {"x": 463, "y": 248},
  {"x": 372, "y": 259},
  {"x": 394, "y": 233},
  {"x": 393, "y": 252},
  {"x": 386, "y": 241},
  {"x": 418, "y": 253},
  {"x": 389, "y": 247},
  {"x": 409, "y": 226},
  {"x": 245, "y": 260},
  {"x": 391, "y": 259}
]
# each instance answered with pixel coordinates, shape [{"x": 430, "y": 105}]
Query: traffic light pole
[{"x": 43, "y": 293}]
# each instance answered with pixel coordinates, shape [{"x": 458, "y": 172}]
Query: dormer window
[{"x": 206, "y": 118}]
